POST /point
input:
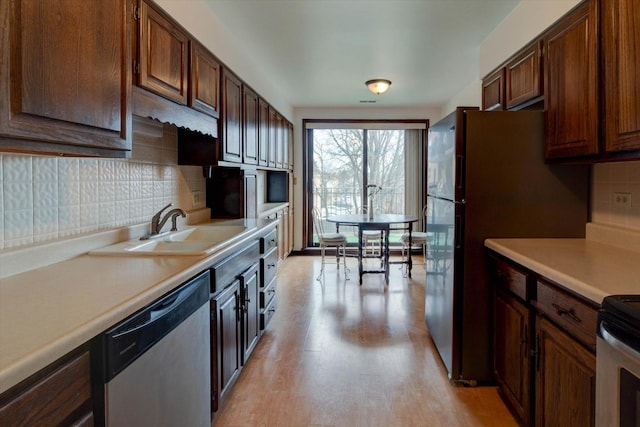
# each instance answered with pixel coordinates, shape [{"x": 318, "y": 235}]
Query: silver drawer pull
[{"x": 567, "y": 312}]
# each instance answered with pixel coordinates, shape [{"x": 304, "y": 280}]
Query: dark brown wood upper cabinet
[
  {"x": 231, "y": 123},
  {"x": 493, "y": 90},
  {"x": 523, "y": 80},
  {"x": 250, "y": 126},
  {"x": 273, "y": 137},
  {"x": 290, "y": 145},
  {"x": 621, "y": 74},
  {"x": 263, "y": 133},
  {"x": 571, "y": 84},
  {"x": 279, "y": 141},
  {"x": 65, "y": 77},
  {"x": 162, "y": 54},
  {"x": 204, "y": 84}
]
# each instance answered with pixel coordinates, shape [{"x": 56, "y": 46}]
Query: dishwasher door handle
[{"x": 159, "y": 309}]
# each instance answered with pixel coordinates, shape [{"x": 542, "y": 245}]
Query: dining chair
[
  {"x": 417, "y": 237},
  {"x": 372, "y": 240},
  {"x": 329, "y": 240}
]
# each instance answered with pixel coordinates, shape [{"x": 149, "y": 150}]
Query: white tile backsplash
[
  {"x": 45, "y": 198},
  {"x": 610, "y": 178}
]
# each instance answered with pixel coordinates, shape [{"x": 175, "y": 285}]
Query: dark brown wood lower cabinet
[
  {"x": 250, "y": 282},
  {"x": 565, "y": 379},
  {"x": 512, "y": 364},
  {"x": 58, "y": 395},
  {"x": 544, "y": 360},
  {"x": 225, "y": 342}
]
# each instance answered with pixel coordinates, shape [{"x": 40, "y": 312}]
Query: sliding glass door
[{"x": 344, "y": 161}]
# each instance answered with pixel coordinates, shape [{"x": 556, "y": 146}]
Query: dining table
[{"x": 385, "y": 223}]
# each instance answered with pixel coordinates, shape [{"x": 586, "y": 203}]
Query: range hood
[{"x": 149, "y": 105}]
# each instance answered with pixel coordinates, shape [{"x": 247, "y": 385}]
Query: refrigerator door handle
[
  {"x": 457, "y": 202},
  {"x": 460, "y": 173}
]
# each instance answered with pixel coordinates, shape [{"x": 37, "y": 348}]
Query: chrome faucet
[{"x": 157, "y": 223}]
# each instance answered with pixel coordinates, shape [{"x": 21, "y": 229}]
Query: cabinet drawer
[
  {"x": 226, "y": 270},
  {"x": 267, "y": 294},
  {"x": 511, "y": 279},
  {"x": 269, "y": 241},
  {"x": 574, "y": 316},
  {"x": 268, "y": 267},
  {"x": 267, "y": 314}
]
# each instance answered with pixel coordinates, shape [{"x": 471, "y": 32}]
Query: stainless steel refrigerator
[{"x": 486, "y": 177}]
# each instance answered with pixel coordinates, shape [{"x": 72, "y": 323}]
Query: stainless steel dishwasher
[{"x": 157, "y": 362}]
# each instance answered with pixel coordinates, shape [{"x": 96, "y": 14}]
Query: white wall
[{"x": 469, "y": 96}]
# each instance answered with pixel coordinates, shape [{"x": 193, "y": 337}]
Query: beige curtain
[{"x": 413, "y": 176}]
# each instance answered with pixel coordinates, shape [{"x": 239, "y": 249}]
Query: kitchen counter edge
[
  {"x": 16, "y": 370},
  {"x": 587, "y": 268}
]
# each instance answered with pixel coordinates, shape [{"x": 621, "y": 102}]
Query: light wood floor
[{"x": 339, "y": 354}]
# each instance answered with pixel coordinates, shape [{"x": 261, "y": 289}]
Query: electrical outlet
[
  {"x": 622, "y": 199},
  {"x": 195, "y": 198}
]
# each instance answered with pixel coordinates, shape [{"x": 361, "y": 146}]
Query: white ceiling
[{"x": 320, "y": 52}]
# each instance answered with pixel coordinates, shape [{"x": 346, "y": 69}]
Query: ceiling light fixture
[{"x": 378, "y": 86}]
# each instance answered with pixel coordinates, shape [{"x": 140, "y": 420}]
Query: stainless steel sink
[{"x": 193, "y": 241}]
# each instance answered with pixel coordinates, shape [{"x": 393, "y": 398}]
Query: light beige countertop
[
  {"x": 267, "y": 209},
  {"x": 606, "y": 262},
  {"x": 48, "y": 311}
]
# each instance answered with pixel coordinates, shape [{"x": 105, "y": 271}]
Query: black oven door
[{"x": 629, "y": 399}]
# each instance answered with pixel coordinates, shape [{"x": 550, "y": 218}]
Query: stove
[{"x": 618, "y": 362}]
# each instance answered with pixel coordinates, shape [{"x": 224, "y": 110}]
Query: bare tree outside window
[{"x": 338, "y": 178}]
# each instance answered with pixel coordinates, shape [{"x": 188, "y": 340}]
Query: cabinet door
[
  {"x": 162, "y": 54},
  {"x": 565, "y": 379},
  {"x": 263, "y": 133},
  {"x": 273, "y": 137},
  {"x": 621, "y": 75},
  {"x": 290, "y": 147},
  {"x": 285, "y": 144},
  {"x": 493, "y": 91},
  {"x": 250, "y": 281},
  {"x": 250, "y": 195},
  {"x": 225, "y": 342},
  {"x": 231, "y": 117},
  {"x": 204, "y": 85},
  {"x": 279, "y": 141},
  {"x": 571, "y": 84},
  {"x": 250, "y": 126},
  {"x": 65, "y": 77},
  {"x": 290, "y": 240},
  {"x": 512, "y": 364},
  {"x": 523, "y": 82}
]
